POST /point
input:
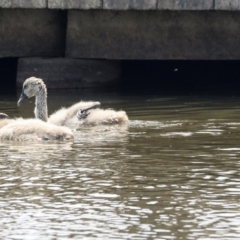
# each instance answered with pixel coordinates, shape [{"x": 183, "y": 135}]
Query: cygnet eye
[{"x": 25, "y": 87}]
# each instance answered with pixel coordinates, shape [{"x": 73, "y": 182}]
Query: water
[{"x": 172, "y": 173}]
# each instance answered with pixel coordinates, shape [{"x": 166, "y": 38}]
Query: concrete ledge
[
  {"x": 69, "y": 73},
  {"x": 75, "y": 4},
  {"x": 23, "y": 3},
  {"x": 125, "y": 4},
  {"x": 32, "y": 32},
  {"x": 227, "y": 4},
  {"x": 185, "y": 4},
  {"x": 129, "y": 4}
]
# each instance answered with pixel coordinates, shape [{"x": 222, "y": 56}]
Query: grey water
[{"x": 171, "y": 173}]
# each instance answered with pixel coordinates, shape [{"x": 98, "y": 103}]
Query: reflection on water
[{"x": 172, "y": 173}]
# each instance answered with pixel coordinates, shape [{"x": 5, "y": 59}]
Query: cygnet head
[{"x": 32, "y": 87}]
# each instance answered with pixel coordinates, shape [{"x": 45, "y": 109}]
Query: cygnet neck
[{"x": 41, "y": 110}]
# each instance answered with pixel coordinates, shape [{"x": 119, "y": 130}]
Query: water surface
[{"x": 172, "y": 173}]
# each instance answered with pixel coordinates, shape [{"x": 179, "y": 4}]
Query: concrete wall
[
  {"x": 78, "y": 36},
  {"x": 193, "y": 35},
  {"x": 110, "y": 30}
]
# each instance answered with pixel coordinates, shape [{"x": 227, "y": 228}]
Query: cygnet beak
[{"x": 22, "y": 97}]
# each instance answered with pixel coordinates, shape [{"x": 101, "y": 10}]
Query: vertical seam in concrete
[
  {"x": 214, "y": 6},
  {"x": 102, "y": 4},
  {"x": 156, "y": 7},
  {"x": 66, "y": 33}
]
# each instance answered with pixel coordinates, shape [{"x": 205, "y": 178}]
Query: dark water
[{"x": 172, "y": 173}]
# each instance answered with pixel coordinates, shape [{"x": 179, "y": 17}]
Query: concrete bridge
[{"x": 85, "y": 40}]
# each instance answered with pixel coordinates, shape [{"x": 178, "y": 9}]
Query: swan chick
[
  {"x": 35, "y": 87},
  {"x": 34, "y": 130}
]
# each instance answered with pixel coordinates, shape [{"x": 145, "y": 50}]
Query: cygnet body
[{"x": 33, "y": 130}]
